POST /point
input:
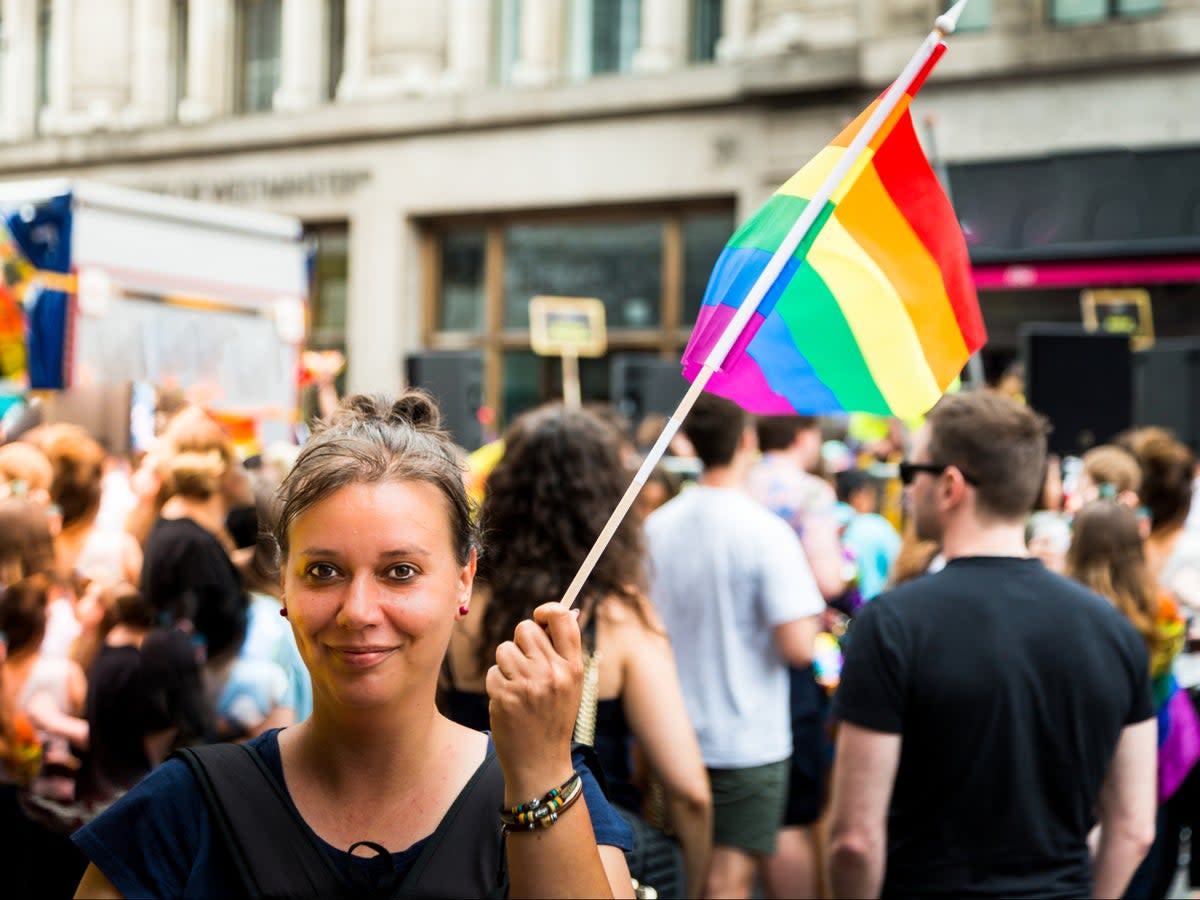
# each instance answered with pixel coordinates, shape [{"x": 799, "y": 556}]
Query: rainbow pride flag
[{"x": 874, "y": 312}]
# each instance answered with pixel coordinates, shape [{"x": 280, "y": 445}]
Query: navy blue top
[{"x": 158, "y": 841}]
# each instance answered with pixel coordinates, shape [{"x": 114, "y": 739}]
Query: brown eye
[
  {"x": 320, "y": 571},
  {"x": 402, "y": 572}
]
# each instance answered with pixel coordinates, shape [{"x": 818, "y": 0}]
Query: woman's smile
[{"x": 361, "y": 657}]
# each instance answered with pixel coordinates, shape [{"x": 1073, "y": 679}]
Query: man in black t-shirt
[{"x": 992, "y": 713}]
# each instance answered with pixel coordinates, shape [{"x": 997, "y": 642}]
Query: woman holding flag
[{"x": 377, "y": 792}]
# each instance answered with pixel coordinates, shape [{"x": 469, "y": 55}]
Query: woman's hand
[{"x": 534, "y": 692}]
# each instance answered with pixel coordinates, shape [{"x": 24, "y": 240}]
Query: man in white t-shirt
[{"x": 732, "y": 584}]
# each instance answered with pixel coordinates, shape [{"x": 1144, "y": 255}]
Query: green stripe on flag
[
  {"x": 820, "y": 331},
  {"x": 770, "y": 225}
]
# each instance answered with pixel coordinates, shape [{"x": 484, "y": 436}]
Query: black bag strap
[
  {"x": 273, "y": 851},
  {"x": 444, "y": 867}
]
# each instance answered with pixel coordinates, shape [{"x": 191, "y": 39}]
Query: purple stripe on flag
[
  {"x": 1180, "y": 752},
  {"x": 739, "y": 379}
]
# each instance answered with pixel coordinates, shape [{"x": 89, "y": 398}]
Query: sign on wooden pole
[{"x": 568, "y": 327}]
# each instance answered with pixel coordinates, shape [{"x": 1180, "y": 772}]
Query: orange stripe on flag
[
  {"x": 848, "y": 133},
  {"x": 871, "y": 216}
]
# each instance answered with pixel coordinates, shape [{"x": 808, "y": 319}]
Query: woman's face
[{"x": 372, "y": 589}]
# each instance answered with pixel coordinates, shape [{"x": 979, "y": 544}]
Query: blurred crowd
[{"x": 141, "y": 613}]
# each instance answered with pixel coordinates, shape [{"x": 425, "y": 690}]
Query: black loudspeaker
[
  {"x": 643, "y": 384},
  {"x": 1082, "y": 382},
  {"x": 455, "y": 379},
  {"x": 1166, "y": 388}
]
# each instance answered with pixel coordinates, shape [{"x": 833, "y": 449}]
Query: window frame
[
  {"x": 1113, "y": 12},
  {"x": 44, "y": 49},
  {"x": 506, "y": 40},
  {"x": 581, "y": 38},
  {"x": 666, "y": 339},
  {"x": 240, "y": 62},
  {"x": 694, "y": 54},
  {"x": 324, "y": 338},
  {"x": 177, "y": 74},
  {"x": 335, "y": 47}
]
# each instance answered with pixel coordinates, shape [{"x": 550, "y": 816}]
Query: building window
[
  {"x": 179, "y": 55},
  {"x": 461, "y": 306},
  {"x": 258, "y": 23},
  {"x": 506, "y": 26},
  {"x": 649, "y": 266},
  {"x": 330, "y": 285},
  {"x": 1138, "y": 7},
  {"x": 976, "y": 17},
  {"x": 335, "y": 58},
  {"x": 42, "y": 87},
  {"x": 704, "y": 237},
  {"x": 604, "y": 36},
  {"x": 1079, "y": 12},
  {"x": 704, "y": 30},
  {"x": 620, "y": 262}
]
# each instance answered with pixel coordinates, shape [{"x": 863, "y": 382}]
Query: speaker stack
[
  {"x": 1082, "y": 382},
  {"x": 455, "y": 380}
]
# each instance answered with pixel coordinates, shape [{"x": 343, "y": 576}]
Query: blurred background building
[{"x": 453, "y": 158}]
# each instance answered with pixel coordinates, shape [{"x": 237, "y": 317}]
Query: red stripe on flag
[
  {"x": 913, "y": 187},
  {"x": 938, "y": 52}
]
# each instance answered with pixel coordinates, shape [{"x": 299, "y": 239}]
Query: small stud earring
[
  {"x": 283, "y": 611},
  {"x": 463, "y": 610}
]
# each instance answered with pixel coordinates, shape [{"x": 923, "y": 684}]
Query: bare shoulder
[{"x": 631, "y": 621}]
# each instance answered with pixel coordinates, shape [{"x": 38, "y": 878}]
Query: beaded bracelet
[
  {"x": 542, "y": 812},
  {"x": 544, "y": 816},
  {"x": 539, "y": 801}
]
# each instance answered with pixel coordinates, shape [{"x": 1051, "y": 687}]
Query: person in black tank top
[{"x": 545, "y": 502}]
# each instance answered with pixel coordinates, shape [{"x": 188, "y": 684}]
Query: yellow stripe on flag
[
  {"x": 881, "y": 325},
  {"x": 808, "y": 180}
]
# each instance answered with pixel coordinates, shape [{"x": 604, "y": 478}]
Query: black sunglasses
[{"x": 909, "y": 470}]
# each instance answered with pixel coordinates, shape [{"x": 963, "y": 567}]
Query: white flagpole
[{"x": 943, "y": 25}]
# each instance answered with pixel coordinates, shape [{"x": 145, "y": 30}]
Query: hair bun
[
  {"x": 414, "y": 407},
  {"x": 358, "y": 408}
]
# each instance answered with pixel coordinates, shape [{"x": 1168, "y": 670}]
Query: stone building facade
[{"x": 454, "y": 157}]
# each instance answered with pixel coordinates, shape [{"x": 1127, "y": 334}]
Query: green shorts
[{"x": 748, "y": 806}]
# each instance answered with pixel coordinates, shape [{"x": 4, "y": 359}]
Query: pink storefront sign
[{"x": 1090, "y": 273}]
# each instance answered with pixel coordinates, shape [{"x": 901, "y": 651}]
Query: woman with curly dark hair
[{"x": 546, "y": 501}]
